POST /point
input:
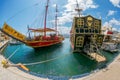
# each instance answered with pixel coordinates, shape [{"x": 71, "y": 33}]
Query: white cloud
[
  {"x": 84, "y": 4},
  {"x": 64, "y": 30},
  {"x": 111, "y": 12},
  {"x": 69, "y": 11},
  {"x": 114, "y": 29},
  {"x": 54, "y": 5},
  {"x": 115, "y": 3},
  {"x": 112, "y": 23},
  {"x": 115, "y": 22}
]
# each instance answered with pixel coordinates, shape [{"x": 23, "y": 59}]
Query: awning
[
  {"x": 109, "y": 32},
  {"x": 42, "y": 30}
]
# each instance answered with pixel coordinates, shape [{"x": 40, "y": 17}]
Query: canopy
[
  {"x": 42, "y": 30},
  {"x": 109, "y": 32}
]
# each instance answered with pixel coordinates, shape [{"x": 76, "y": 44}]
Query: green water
[{"x": 66, "y": 63}]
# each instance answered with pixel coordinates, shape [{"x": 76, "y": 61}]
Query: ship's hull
[{"x": 37, "y": 44}]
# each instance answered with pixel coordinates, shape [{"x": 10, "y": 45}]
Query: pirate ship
[
  {"x": 85, "y": 32},
  {"x": 85, "y": 36},
  {"x": 40, "y": 40}
]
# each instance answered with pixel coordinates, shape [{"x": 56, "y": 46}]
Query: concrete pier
[
  {"x": 13, "y": 73},
  {"x": 3, "y": 43}
]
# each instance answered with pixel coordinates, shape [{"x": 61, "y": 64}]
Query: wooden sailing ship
[
  {"x": 85, "y": 31},
  {"x": 85, "y": 36},
  {"x": 41, "y": 40}
]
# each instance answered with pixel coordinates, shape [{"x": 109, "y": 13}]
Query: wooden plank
[{"x": 97, "y": 57}]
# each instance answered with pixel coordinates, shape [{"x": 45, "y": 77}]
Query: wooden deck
[{"x": 97, "y": 57}]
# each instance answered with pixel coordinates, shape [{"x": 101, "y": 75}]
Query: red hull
[{"x": 36, "y": 44}]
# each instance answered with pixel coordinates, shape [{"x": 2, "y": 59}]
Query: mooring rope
[
  {"x": 46, "y": 60},
  {"x": 13, "y": 53}
]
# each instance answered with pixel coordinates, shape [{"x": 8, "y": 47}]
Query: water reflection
[{"x": 65, "y": 63}]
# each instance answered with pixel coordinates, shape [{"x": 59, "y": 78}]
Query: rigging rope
[
  {"x": 38, "y": 22},
  {"x": 22, "y": 11}
]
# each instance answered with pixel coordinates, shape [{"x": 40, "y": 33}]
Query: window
[
  {"x": 80, "y": 22},
  {"x": 77, "y": 30},
  {"x": 79, "y": 41},
  {"x": 86, "y": 30},
  {"x": 94, "y": 37},
  {"x": 81, "y": 30},
  {"x": 100, "y": 40},
  {"x": 96, "y": 24}
]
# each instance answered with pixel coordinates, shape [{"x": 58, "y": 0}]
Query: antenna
[{"x": 78, "y": 9}]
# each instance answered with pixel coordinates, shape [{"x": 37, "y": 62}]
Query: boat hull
[
  {"x": 37, "y": 44},
  {"x": 110, "y": 47}
]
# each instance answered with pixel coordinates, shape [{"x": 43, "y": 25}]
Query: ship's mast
[
  {"x": 45, "y": 17},
  {"x": 78, "y": 9},
  {"x": 56, "y": 19}
]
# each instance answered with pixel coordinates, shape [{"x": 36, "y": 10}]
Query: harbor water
[{"x": 57, "y": 60}]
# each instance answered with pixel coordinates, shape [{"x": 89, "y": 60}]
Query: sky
[{"x": 22, "y": 13}]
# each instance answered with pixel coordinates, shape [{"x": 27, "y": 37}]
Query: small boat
[
  {"x": 110, "y": 47},
  {"x": 15, "y": 42},
  {"x": 109, "y": 43}
]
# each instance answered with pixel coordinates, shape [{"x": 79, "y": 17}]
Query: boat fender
[{"x": 23, "y": 67}]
